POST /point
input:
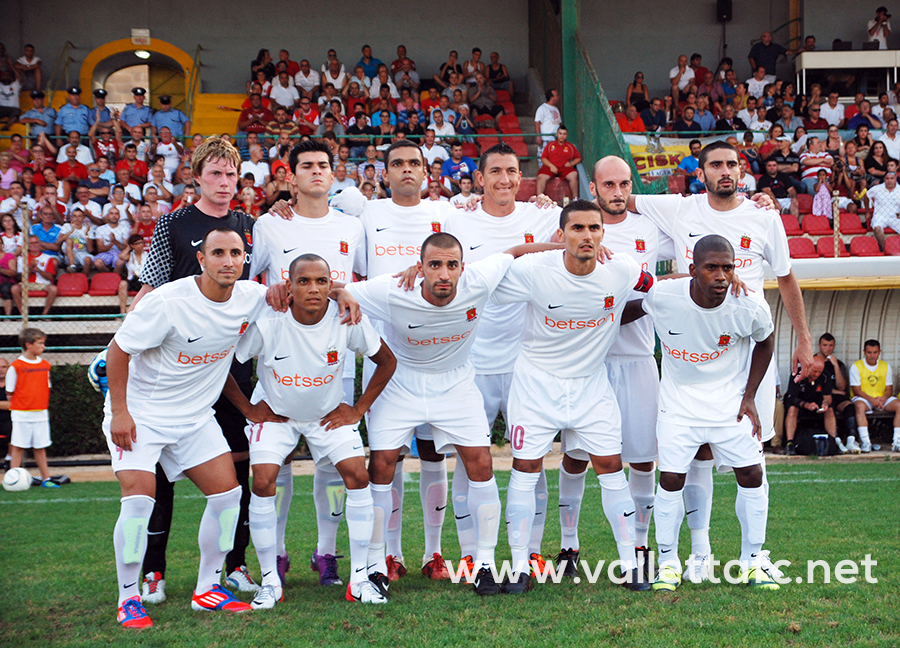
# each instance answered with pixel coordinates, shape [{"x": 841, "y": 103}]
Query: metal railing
[
  {"x": 193, "y": 85},
  {"x": 61, "y": 67},
  {"x": 787, "y": 43}
]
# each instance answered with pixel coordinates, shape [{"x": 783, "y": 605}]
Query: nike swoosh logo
[
  {"x": 339, "y": 514},
  {"x": 629, "y": 514},
  {"x": 650, "y": 507},
  {"x": 694, "y": 235},
  {"x": 155, "y": 532},
  {"x": 381, "y": 229},
  {"x": 196, "y": 243},
  {"x": 357, "y": 447},
  {"x": 671, "y": 332},
  {"x": 218, "y": 571},
  {"x": 665, "y": 550},
  {"x": 266, "y": 574},
  {"x": 355, "y": 598},
  {"x": 564, "y": 505},
  {"x": 694, "y": 511},
  {"x": 416, "y": 326},
  {"x": 475, "y": 247},
  {"x": 194, "y": 339},
  {"x": 462, "y": 517},
  {"x": 395, "y": 510},
  {"x": 551, "y": 306},
  {"x": 281, "y": 358},
  {"x": 135, "y": 583},
  {"x": 289, "y": 251},
  {"x": 359, "y": 570},
  {"x": 440, "y": 508},
  {"x": 753, "y": 555}
]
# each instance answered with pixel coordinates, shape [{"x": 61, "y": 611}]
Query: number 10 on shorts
[{"x": 517, "y": 436}]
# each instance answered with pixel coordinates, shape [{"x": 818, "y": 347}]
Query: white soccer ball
[{"x": 17, "y": 479}]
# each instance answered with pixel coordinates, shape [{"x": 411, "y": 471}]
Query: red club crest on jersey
[
  {"x": 745, "y": 242},
  {"x": 435, "y": 227},
  {"x": 243, "y": 328},
  {"x": 332, "y": 357},
  {"x": 529, "y": 237},
  {"x": 724, "y": 340},
  {"x": 345, "y": 247},
  {"x": 608, "y": 302},
  {"x": 248, "y": 236},
  {"x": 640, "y": 245},
  {"x": 471, "y": 314}
]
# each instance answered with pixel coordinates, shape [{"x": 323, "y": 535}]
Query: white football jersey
[
  {"x": 337, "y": 238},
  {"x": 181, "y": 345},
  {"x": 394, "y": 234},
  {"x": 571, "y": 321},
  {"x": 756, "y": 234},
  {"x": 496, "y": 346},
  {"x": 640, "y": 239},
  {"x": 705, "y": 352},
  {"x": 425, "y": 337},
  {"x": 300, "y": 367}
]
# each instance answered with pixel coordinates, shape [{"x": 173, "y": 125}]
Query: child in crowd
[
  {"x": 131, "y": 260},
  {"x": 76, "y": 242},
  {"x": 822, "y": 197}
]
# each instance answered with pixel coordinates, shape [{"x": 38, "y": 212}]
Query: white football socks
[
  {"x": 394, "y": 537},
  {"x": 619, "y": 509},
  {"x": 641, "y": 484},
  {"x": 669, "y": 508},
  {"x": 484, "y": 502},
  {"x": 328, "y": 495},
  {"x": 216, "y": 536},
  {"x": 698, "y": 491},
  {"x": 130, "y": 543},
  {"x": 433, "y": 495},
  {"x": 752, "y": 508},
  {"x": 360, "y": 527},
  {"x": 284, "y": 493},
  {"x": 381, "y": 499},
  {"x": 465, "y": 523},
  {"x": 541, "y": 494},
  {"x": 520, "y": 508},
  {"x": 864, "y": 434},
  {"x": 263, "y": 532},
  {"x": 571, "y": 492}
]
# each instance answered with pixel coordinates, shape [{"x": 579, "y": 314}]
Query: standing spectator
[
  {"x": 473, "y": 66},
  {"x": 136, "y": 114},
  {"x": 547, "y": 118},
  {"x": 284, "y": 94},
  {"x": 171, "y": 118},
  {"x": 879, "y": 28},
  {"x": 41, "y": 275},
  {"x": 628, "y": 121},
  {"x": 765, "y": 53},
  {"x": 498, "y": 75},
  {"x": 482, "y": 98},
  {"x": 442, "y": 78},
  {"x": 681, "y": 79},
  {"x": 885, "y": 199},
  {"x": 41, "y": 118},
  {"x": 29, "y": 68},
  {"x": 369, "y": 64},
  {"x": 559, "y": 160},
  {"x": 28, "y": 383},
  {"x": 73, "y": 116}
]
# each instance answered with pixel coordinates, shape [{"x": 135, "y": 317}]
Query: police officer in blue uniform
[
  {"x": 100, "y": 112},
  {"x": 174, "y": 119},
  {"x": 136, "y": 114},
  {"x": 74, "y": 116},
  {"x": 41, "y": 118}
]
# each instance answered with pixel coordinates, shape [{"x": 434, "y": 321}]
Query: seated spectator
[
  {"x": 384, "y": 106},
  {"x": 473, "y": 66},
  {"x": 876, "y": 164},
  {"x": 465, "y": 126},
  {"x": 408, "y": 107},
  {"x": 750, "y": 152},
  {"x": 285, "y": 62},
  {"x": 359, "y": 135},
  {"x": 441, "y": 128},
  {"x": 778, "y": 187},
  {"x": 98, "y": 187},
  {"x": 329, "y": 94},
  {"x": 158, "y": 181},
  {"x": 864, "y": 117},
  {"x": 749, "y": 112},
  {"x": 457, "y": 166},
  {"x": 681, "y": 78},
  {"x": 729, "y": 86},
  {"x": 689, "y": 165},
  {"x": 76, "y": 243},
  {"x": 637, "y": 94},
  {"x": 759, "y": 121},
  {"x": 256, "y": 166},
  {"x": 263, "y": 63},
  {"x": 654, "y": 116},
  {"x": 458, "y": 100},
  {"x": 815, "y": 159},
  {"x": 329, "y": 123},
  {"x": 629, "y": 121},
  {"x": 772, "y": 144},
  {"x": 788, "y": 161},
  {"x": 278, "y": 188},
  {"x": 811, "y": 397},
  {"x": 832, "y": 111},
  {"x": 465, "y": 191},
  {"x": 259, "y": 84},
  {"x": 384, "y": 131},
  {"x": 879, "y": 108},
  {"x": 686, "y": 124},
  {"x": 442, "y": 78},
  {"x": 431, "y": 150},
  {"x": 788, "y": 120},
  {"x": 885, "y": 201},
  {"x": 498, "y": 75},
  {"x": 559, "y": 160},
  {"x": 19, "y": 155},
  {"x": 356, "y": 93},
  {"x": 746, "y": 184},
  {"x": 398, "y": 62},
  {"x": 130, "y": 263},
  {"x": 330, "y": 56},
  {"x": 863, "y": 141},
  {"x": 482, "y": 98},
  {"x": 247, "y": 201},
  {"x": 713, "y": 90},
  {"x": 7, "y": 173},
  {"x": 383, "y": 78},
  {"x": 455, "y": 84},
  {"x": 158, "y": 207},
  {"x": 27, "y": 180},
  {"x": 47, "y": 232},
  {"x": 70, "y": 171},
  {"x": 702, "y": 114},
  {"x": 307, "y": 82},
  {"x": 871, "y": 383},
  {"x": 284, "y": 93},
  {"x": 41, "y": 275},
  {"x": 821, "y": 192},
  {"x": 406, "y": 76},
  {"x": 29, "y": 69},
  {"x": 341, "y": 181},
  {"x": 368, "y": 63},
  {"x": 836, "y": 372},
  {"x": 118, "y": 199},
  {"x": 255, "y": 118},
  {"x": 307, "y": 116}
]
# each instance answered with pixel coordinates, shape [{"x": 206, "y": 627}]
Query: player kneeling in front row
[
  {"x": 166, "y": 368},
  {"x": 707, "y": 396},
  {"x": 301, "y": 363}
]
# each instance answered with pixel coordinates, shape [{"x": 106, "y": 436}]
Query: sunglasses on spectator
[
  {"x": 92, "y": 169},
  {"x": 814, "y": 110}
]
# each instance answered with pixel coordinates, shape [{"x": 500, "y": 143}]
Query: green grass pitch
[{"x": 58, "y": 579}]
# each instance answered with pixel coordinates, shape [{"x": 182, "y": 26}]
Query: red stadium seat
[
  {"x": 484, "y": 118},
  {"x": 802, "y": 248},
  {"x": 864, "y": 246},
  {"x": 804, "y": 203},
  {"x": 892, "y": 246},
  {"x": 37, "y": 293},
  {"x": 850, "y": 224},
  {"x": 470, "y": 150},
  {"x": 519, "y": 147},
  {"x": 513, "y": 136},
  {"x": 816, "y": 225},
  {"x": 487, "y": 131},
  {"x": 508, "y": 123},
  {"x": 791, "y": 225},
  {"x": 104, "y": 284},
  {"x": 72, "y": 285},
  {"x": 487, "y": 142},
  {"x": 508, "y": 107},
  {"x": 825, "y": 247},
  {"x": 503, "y": 96}
]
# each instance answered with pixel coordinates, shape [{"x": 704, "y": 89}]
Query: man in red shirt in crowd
[
  {"x": 71, "y": 171},
  {"x": 559, "y": 160},
  {"x": 137, "y": 169},
  {"x": 256, "y": 118},
  {"x": 629, "y": 121},
  {"x": 307, "y": 116}
]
